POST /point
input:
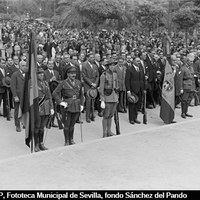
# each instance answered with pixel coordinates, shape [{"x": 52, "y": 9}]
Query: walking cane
[
  {"x": 81, "y": 127},
  {"x": 47, "y": 128}
]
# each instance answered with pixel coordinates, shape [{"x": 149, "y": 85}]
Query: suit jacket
[
  {"x": 11, "y": 70},
  {"x": 151, "y": 69},
  {"x": 143, "y": 81},
  {"x": 57, "y": 67},
  {"x": 90, "y": 75},
  {"x": 197, "y": 68},
  {"x": 121, "y": 73},
  {"x": 2, "y": 87},
  {"x": 48, "y": 75},
  {"x": 17, "y": 84},
  {"x": 133, "y": 80}
]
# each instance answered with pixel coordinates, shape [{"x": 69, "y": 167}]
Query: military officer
[
  {"x": 108, "y": 90},
  {"x": 187, "y": 83},
  {"x": 72, "y": 100},
  {"x": 45, "y": 110}
]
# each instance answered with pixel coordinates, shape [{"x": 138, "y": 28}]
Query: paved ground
[{"x": 152, "y": 156}]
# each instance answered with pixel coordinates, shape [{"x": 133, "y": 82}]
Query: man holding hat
[
  {"x": 134, "y": 89},
  {"x": 45, "y": 110},
  {"x": 90, "y": 75},
  {"x": 72, "y": 100},
  {"x": 109, "y": 96}
]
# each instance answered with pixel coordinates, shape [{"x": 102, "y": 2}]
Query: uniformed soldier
[
  {"x": 109, "y": 96},
  {"x": 187, "y": 83},
  {"x": 45, "y": 110},
  {"x": 72, "y": 100}
]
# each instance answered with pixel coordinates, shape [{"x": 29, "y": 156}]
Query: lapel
[{"x": 20, "y": 75}]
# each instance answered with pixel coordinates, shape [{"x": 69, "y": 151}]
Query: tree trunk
[{"x": 186, "y": 37}]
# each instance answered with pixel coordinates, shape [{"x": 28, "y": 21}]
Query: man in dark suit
[
  {"x": 51, "y": 75},
  {"x": 120, "y": 69},
  {"x": 91, "y": 79},
  {"x": 133, "y": 85},
  {"x": 17, "y": 88},
  {"x": 3, "y": 89},
  {"x": 151, "y": 73},
  {"x": 57, "y": 63}
]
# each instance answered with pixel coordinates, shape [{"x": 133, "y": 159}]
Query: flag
[
  {"x": 168, "y": 95},
  {"x": 29, "y": 104},
  {"x": 167, "y": 45}
]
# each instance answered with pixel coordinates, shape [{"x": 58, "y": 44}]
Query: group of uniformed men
[{"x": 78, "y": 83}]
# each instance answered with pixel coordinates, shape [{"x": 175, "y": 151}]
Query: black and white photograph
[{"x": 99, "y": 98}]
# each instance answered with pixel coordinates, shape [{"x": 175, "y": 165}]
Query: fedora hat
[
  {"x": 133, "y": 98},
  {"x": 92, "y": 93},
  {"x": 53, "y": 85},
  {"x": 6, "y": 81}
]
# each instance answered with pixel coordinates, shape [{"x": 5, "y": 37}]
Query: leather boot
[
  {"x": 71, "y": 137},
  {"x": 41, "y": 144},
  {"x": 104, "y": 124},
  {"x": 36, "y": 141},
  {"x": 109, "y": 123},
  {"x": 183, "y": 110},
  {"x": 66, "y": 136}
]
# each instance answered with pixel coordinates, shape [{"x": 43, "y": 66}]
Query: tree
[
  {"x": 186, "y": 18},
  {"x": 149, "y": 15}
]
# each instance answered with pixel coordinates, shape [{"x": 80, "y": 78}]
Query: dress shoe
[
  {"x": 79, "y": 122},
  {"x": 42, "y": 147},
  {"x": 54, "y": 125},
  {"x": 183, "y": 115},
  {"x": 188, "y": 115},
  {"x": 92, "y": 119},
  {"x": 132, "y": 122},
  {"x": 121, "y": 110},
  {"x": 137, "y": 122},
  {"x": 67, "y": 143},
  {"x": 37, "y": 149},
  {"x": 1, "y": 115},
  {"x": 149, "y": 107},
  {"x": 72, "y": 142},
  {"x": 110, "y": 134},
  {"x": 100, "y": 114},
  {"x": 18, "y": 129},
  {"x": 173, "y": 122},
  {"x": 88, "y": 120}
]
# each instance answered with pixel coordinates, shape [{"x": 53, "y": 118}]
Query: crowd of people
[{"x": 84, "y": 71}]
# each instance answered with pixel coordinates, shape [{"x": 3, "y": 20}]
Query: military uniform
[
  {"x": 109, "y": 94},
  {"x": 45, "y": 107},
  {"x": 187, "y": 83},
  {"x": 73, "y": 95}
]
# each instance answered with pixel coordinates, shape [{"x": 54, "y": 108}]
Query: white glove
[
  {"x": 52, "y": 111},
  {"x": 181, "y": 91},
  {"x": 103, "y": 105},
  {"x": 82, "y": 108},
  {"x": 64, "y": 104}
]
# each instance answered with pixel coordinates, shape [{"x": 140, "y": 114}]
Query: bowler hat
[
  {"x": 92, "y": 93},
  {"x": 133, "y": 98},
  {"x": 6, "y": 81}
]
